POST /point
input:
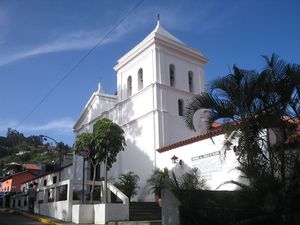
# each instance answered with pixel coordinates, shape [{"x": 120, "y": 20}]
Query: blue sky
[{"x": 41, "y": 40}]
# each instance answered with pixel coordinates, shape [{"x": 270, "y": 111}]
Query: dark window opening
[
  {"x": 129, "y": 86},
  {"x": 140, "y": 79},
  {"x": 54, "y": 180},
  {"x": 172, "y": 75},
  {"x": 191, "y": 85},
  {"x": 180, "y": 107}
]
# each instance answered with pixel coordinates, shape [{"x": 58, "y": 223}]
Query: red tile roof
[
  {"x": 30, "y": 166},
  {"x": 49, "y": 172},
  {"x": 215, "y": 132},
  {"x": 17, "y": 174}
]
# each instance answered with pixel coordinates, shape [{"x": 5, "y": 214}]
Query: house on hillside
[
  {"x": 32, "y": 168},
  {"x": 12, "y": 184}
]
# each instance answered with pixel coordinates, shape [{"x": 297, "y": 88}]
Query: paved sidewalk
[
  {"x": 40, "y": 218},
  {"x": 7, "y": 217},
  {"x": 53, "y": 221}
]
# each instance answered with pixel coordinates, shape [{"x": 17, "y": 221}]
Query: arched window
[
  {"x": 172, "y": 75},
  {"x": 191, "y": 83},
  {"x": 140, "y": 79},
  {"x": 180, "y": 107},
  {"x": 129, "y": 86}
]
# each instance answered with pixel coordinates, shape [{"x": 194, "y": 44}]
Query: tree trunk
[
  {"x": 93, "y": 184},
  {"x": 282, "y": 154},
  {"x": 105, "y": 181}
]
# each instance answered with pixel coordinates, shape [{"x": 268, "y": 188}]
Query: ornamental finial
[{"x": 99, "y": 87}]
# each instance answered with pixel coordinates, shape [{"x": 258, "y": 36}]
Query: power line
[{"x": 78, "y": 63}]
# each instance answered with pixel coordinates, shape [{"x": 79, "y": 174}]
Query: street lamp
[
  {"x": 46, "y": 138},
  {"x": 174, "y": 160},
  {"x": 84, "y": 152}
]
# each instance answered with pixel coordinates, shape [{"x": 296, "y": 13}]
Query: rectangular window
[
  {"x": 54, "y": 180},
  {"x": 45, "y": 182}
]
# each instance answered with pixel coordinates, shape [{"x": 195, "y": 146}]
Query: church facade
[{"x": 155, "y": 80}]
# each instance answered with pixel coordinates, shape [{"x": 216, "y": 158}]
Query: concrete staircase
[
  {"x": 135, "y": 223},
  {"x": 141, "y": 211}
]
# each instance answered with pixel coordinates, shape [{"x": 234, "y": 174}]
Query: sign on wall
[{"x": 207, "y": 163}]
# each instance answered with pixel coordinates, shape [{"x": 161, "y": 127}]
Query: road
[{"x": 7, "y": 218}]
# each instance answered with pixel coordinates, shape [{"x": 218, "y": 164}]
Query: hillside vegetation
[{"x": 15, "y": 147}]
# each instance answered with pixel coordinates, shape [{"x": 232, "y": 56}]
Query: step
[
  {"x": 152, "y": 222},
  {"x": 141, "y": 211}
]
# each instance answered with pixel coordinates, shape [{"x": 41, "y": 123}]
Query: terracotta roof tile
[
  {"x": 16, "y": 174},
  {"x": 215, "y": 132},
  {"x": 49, "y": 172},
  {"x": 30, "y": 166}
]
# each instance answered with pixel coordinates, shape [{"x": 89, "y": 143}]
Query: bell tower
[{"x": 163, "y": 73}]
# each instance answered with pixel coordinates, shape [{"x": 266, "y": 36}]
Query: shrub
[{"x": 128, "y": 184}]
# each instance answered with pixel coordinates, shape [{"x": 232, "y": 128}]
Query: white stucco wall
[
  {"x": 183, "y": 64},
  {"x": 215, "y": 168},
  {"x": 172, "y": 126},
  {"x": 143, "y": 61},
  {"x": 60, "y": 210}
]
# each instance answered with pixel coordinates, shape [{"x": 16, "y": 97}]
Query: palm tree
[
  {"x": 232, "y": 100},
  {"x": 249, "y": 104},
  {"x": 279, "y": 97},
  {"x": 128, "y": 184}
]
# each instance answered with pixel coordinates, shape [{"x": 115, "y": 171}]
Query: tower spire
[{"x": 158, "y": 18}]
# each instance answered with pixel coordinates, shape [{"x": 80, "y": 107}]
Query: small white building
[
  {"x": 155, "y": 80},
  {"x": 60, "y": 194}
]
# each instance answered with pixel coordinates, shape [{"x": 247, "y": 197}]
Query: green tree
[
  {"x": 87, "y": 140},
  {"x": 128, "y": 184},
  {"x": 104, "y": 143},
  {"x": 109, "y": 141}
]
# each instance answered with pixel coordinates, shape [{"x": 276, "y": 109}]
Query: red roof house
[{"x": 13, "y": 182}]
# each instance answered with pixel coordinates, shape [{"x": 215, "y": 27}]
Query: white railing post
[
  {"x": 54, "y": 194},
  {"x": 70, "y": 191},
  {"x": 108, "y": 195},
  {"x": 45, "y": 197}
]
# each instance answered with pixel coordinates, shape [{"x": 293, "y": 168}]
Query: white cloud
[
  {"x": 71, "y": 41},
  {"x": 62, "y": 126},
  {"x": 173, "y": 16}
]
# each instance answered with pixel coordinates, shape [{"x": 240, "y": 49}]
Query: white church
[{"x": 155, "y": 80}]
